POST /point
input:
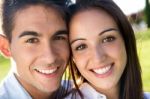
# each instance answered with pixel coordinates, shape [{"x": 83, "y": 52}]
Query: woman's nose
[{"x": 99, "y": 54}]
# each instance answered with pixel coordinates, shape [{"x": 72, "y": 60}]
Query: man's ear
[{"x": 4, "y": 46}]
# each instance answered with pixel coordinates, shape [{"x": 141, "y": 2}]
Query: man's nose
[{"x": 49, "y": 53}]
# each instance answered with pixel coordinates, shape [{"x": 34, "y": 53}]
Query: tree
[{"x": 147, "y": 13}]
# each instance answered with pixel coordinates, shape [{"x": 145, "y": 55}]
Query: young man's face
[{"x": 39, "y": 48}]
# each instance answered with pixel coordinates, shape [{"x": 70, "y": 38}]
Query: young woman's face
[{"x": 98, "y": 48}]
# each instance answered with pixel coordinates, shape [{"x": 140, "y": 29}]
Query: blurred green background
[
  {"x": 4, "y": 67},
  {"x": 143, "y": 46}
]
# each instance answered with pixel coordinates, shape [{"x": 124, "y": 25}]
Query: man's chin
[{"x": 51, "y": 88}]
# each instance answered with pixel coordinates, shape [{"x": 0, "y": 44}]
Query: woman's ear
[
  {"x": 4, "y": 46},
  {"x": 73, "y": 60}
]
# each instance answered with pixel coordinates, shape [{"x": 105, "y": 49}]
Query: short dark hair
[
  {"x": 130, "y": 82},
  {"x": 10, "y": 7}
]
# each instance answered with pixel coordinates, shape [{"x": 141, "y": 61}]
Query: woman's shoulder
[
  {"x": 87, "y": 91},
  {"x": 73, "y": 94},
  {"x": 146, "y": 95},
  {"x": 90, "y": 93}
]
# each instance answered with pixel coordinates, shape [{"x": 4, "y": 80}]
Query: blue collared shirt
[
  {"x": 10, "y": 88},
  {"x": 90, "y": 93},
  {"x": 147, "y": 95}
]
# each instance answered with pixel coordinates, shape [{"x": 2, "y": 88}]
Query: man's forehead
[{"x": 39, "y": 22}]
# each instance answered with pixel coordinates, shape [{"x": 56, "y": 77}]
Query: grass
[
  {"x": 4, "y": 67},
  {"x": 144, "y": 55},
  {"x": 143, "y": 46}
]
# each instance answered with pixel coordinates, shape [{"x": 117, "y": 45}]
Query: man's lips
[{"x": 47, "y": 71}]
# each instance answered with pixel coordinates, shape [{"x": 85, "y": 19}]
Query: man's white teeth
[
  {"x": 49, "y": 71},
  {"x": 102, "y": 70}
]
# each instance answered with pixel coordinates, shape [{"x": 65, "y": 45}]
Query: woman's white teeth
[
  {"x": 49, "y": 71},
  {"x": 102, "y": 70}
]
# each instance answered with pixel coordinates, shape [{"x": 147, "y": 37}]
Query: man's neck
[
  {"x": 40, "y": 95},
  {"x": 36, "y": 93}
]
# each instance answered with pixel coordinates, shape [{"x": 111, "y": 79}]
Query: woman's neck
[{"x": 112, "y": 93}]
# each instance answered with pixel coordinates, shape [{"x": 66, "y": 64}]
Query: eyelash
[
  {"x": 32, "y": 40},
  {"x": 108, "y": 39},
  {"x": 60, "y": 38},
  {"x": 105, "y": 40},
  {"x": 81, "y": 47}
]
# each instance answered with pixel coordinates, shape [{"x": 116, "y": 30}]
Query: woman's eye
[
  {"x": 108, "y": 39},
  {"x": 32, "y": 40},
  {"x": 81, "y": 47}
]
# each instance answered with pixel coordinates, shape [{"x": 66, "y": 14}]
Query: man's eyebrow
[
  {"x": 30, "y": 33},
  {"x": 107, "y": 30},
  {"x": 62, "y": 32}
]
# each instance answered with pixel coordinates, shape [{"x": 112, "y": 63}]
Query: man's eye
[
  {"x": 32, "y": 40},
  {"x": 60, "y": 38},
  {"x": 108, "y": 39},
  {"x": 81, "y": 47}
]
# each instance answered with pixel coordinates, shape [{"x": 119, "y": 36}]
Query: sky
[{"x": 129, "y": 6}]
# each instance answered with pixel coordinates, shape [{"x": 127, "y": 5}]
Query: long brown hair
[{"x": 130, "y": 82}]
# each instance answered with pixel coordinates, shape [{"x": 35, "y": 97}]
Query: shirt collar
[
  {"x": 14, "y": 89},
  {"x": 90, "y": 93}
]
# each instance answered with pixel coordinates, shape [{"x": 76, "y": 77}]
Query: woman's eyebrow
[
  {"x": 107, "y": 30},
  {"x": 76, "y": 40}
]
